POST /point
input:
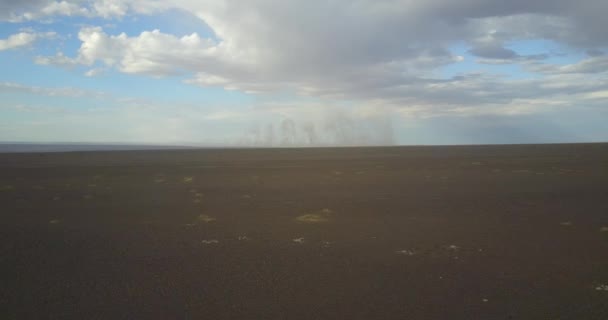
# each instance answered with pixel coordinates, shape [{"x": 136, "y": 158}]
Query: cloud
[
  {"x": 17, "y": 40},
  {"x": 596, "y": 64},
  {"x": 22, "y": 39},
  {"x": 388, "y": 52},
  {"x": 12, "y": 87},
  {"x": 152, "y": 52},
  {"x": 493, "y": 52},
  {"x": 29, "y": 10}
]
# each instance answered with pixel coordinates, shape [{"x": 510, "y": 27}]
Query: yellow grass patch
[
  {"x": 312, "y": 218},
  {"x": 322, "y": 215}
]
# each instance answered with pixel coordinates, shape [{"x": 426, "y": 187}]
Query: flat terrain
[{"x": 477, "y": 232}]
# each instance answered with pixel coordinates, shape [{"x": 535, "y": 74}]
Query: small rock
[
  {"x": 602, "y": 287},
  {"x": 298, "y": 240}
]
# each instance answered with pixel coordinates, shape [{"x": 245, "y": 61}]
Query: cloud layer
[{"x": 398, "y": 56}]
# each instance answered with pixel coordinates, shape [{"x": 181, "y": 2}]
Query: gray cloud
[
  {"x": 12, "y": 87},
  {"x": 493, "y": 52}
]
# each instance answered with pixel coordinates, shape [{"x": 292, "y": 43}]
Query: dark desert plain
[{"x": 458, "y": 232}]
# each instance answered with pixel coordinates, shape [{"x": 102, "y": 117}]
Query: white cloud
[
  {"x": 63, "y": 8},
  {"x": 17, "y": 40},
  {"x": 110, "y": 8},
  {"x": 152, "y": 52},
  {"x": 22, "y": 39},
  {"x": 94, "y": 72}
]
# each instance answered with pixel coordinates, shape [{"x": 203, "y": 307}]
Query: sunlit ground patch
[
  {"x": 320, "y": 216},
  {"x": 405, "y": 252},
  {"x": 206, "y": 218},
  {"x": 312, "y": 218}
]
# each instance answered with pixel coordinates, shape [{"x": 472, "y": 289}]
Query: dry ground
[{"x": 482, "y": 232}]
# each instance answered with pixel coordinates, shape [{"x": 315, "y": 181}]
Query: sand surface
[{"x": 478, "y": 232}]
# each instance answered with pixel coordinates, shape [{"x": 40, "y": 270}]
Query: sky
[{"x": 304, "y": 73}]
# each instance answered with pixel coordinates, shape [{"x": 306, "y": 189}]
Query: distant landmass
[{"x": 9, "y": 147}]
